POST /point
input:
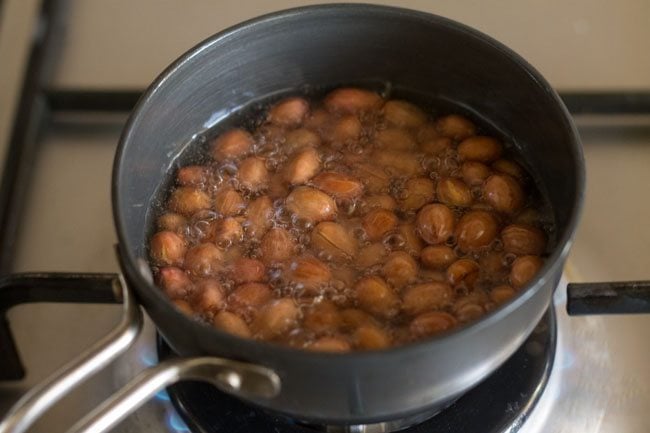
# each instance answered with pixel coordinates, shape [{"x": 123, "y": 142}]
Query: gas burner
[{"x": 500, "y": 403}]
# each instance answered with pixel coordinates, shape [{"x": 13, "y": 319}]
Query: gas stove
[
  {"x": 579, "y": 374},
  {"x": 502, "y": 402},
  {"x": 540, "y": 388}
]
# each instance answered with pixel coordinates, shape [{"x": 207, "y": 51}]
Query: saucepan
[{"x": 324, "y": 47}]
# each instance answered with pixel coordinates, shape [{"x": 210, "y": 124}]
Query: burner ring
[
  {"x": 381, "y": 427},
  {"x": 502, "y": 402}
]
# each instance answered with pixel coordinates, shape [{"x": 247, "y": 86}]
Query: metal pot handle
[
  {"x": 238, "y": 378},
  {"x": 33, "y": 404},
  {"x": 626, "y": 297}
]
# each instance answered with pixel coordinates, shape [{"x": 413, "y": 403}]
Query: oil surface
[{"x": 352, "y": 252}]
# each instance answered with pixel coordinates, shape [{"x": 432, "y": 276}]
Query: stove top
[
  {"x": 60, "y": 163},
  {"x": 599, "y": 383},
  {"x": 500, "y": 403}
]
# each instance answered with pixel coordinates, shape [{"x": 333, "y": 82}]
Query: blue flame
[
  {"x": 162, "y": 395},
  {"x": 148, "y": 357},
  {"x": 175, "y": 423}
]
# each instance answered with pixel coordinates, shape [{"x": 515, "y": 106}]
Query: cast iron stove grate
[{"x": 500, "y": 403}]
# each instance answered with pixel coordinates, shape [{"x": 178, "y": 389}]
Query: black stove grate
[{"x": 500, "y": 403}]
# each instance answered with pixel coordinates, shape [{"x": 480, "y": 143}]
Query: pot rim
[{"x": 557, "y": 257}]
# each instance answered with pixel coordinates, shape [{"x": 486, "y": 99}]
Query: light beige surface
[
  {"x": 68, "y": 219},
  {"x": 613, "y": 239},
  {"x": 579, "y": 44},
  {"x": 17, "y": 18}
]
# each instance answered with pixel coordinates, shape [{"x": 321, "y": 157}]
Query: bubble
[
  {"x": 508, "y": 259},
  {"x": 219, "y": 177},
  {"x": 451, "y": 241},
  {"x": 324, "y": 256},
  {"x": 185, "y": 231},
  {"x": 355, "y": 148},
  {"x": 249, "y": 195},
  {"x": 283, "y": 217},
  {"x": 348, "y": 207},
  {"x": 450, "y": 164},
  {"x": 386, "y": 90},
  {"x": 394, "y": 241},
  {"x": 271, "y": 163},
  {"x": 304, "y": 303},
  {"x": 227, "y": 169},
  {"x": 360, "y": 233},
  {"x": 202, "y": 225},
  {"x": 200, "y": 139},
  {"x": 299, "y": 290},
  {"x": 255, "y": 253},
  {"x": 431, "y": 162},
  {"x": 301, "y": 224},
  {"x": 234, "y": 182},
  {"x": 339, "y": 299},
  {"x": 198, "y": 231},
  {"x": 328, "y": 165},
  {"x": 205, "y": 214},
  {"x": 224, "y": 244},
  {"x": 434, "y": 175},
  {"x": 228, "y": 286}
]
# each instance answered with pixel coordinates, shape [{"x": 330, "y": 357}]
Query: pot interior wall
[{"x": 325, "y": 48}]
